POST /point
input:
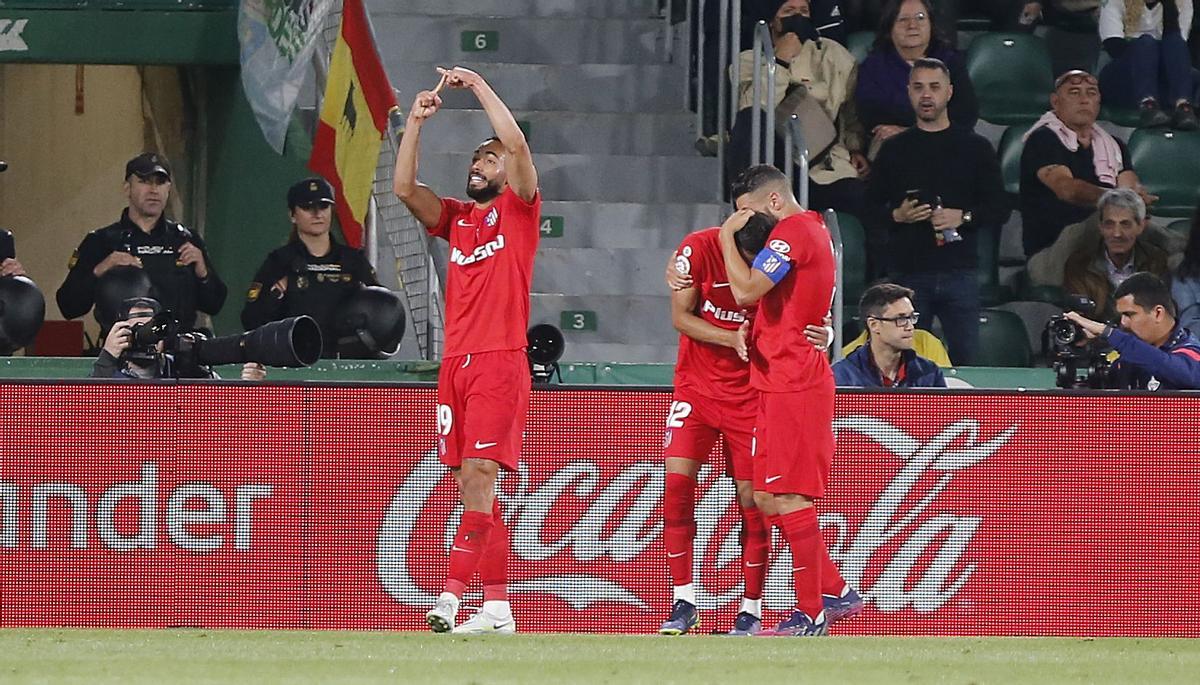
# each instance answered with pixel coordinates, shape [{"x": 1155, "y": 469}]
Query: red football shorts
[
  {"x": 793, "y": 441},
  {"x": 482, "y": 402},
  {"x": 695, "y": 421}
]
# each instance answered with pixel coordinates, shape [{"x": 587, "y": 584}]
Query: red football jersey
[
  {"x": 489, "y": 272},
  {"x": 711, "y": 370},
  {"x": 780, "y": 357}
]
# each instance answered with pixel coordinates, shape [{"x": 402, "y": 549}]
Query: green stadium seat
[
  {"x": 1012, "y": 76},
  {"x": 973, "y": 24},
  {"x": 991, "y": 292},
  {"x": 854, "y": 258},
  {"x": 859, "y": 44},
  {"x": 1003, "y": 340},
  {"x": 1009, "y": 149},
  {"x": 1181, "y": 227},
  {"x": 1168, "y": 164}
]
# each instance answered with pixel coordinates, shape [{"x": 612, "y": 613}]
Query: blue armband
[{"x": 772, "y": 264}]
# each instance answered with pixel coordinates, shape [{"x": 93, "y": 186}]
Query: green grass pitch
[{"x": 261, "y": 657}]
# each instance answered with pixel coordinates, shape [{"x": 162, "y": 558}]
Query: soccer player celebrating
[
  {"x": 792, "y": 281},
  {"x": 483, "y": 385},
  {"x": 713, "y": 396}
]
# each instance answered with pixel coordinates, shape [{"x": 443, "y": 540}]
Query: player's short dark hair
[
  {"x": 1148, "y": 290},
  {"x": 753, "y": 236},
  {"x": 754, "y": 178},
  {"x": 931, "y": 63},
  {"x": 877, "y": 298}
]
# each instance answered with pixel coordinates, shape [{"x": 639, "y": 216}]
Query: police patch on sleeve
[{"x": 254, "y": 292}]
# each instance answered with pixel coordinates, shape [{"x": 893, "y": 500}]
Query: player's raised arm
[
  {"x": 424, "y": 204},
  {"x": 748, "y": 284},
  {"x": 522, "y": 175}
]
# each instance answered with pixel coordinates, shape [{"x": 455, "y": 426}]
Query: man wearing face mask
[{"x": 816, "y": 80}]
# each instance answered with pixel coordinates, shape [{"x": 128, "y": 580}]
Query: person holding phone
[{"x": 933, "y": 186}]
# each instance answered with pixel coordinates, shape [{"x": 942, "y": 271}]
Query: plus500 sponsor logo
[
  {"x": 478, "y": 254},
  {"x": 896, "y": 524}
]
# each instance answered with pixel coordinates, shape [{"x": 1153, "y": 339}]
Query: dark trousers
[
  {"x": 1149, "y": 68},
  {"x": 953, "y": 297}
]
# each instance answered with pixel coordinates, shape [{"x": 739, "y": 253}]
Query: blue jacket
[
  {"x": 1142, "y": 366},
  {"x": 858, "y": 370}
]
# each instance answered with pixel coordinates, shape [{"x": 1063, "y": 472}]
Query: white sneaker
[
  {"x": 441, "y": 617},
  {"x": 486, "y": 622}
]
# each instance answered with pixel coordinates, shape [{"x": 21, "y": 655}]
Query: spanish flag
[{"x": 354, "y": 119}]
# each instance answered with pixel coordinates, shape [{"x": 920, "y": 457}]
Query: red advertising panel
[{"x": 325, "y": 507}]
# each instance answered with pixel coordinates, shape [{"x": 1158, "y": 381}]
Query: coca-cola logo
[{"x": 621, "y": 521}]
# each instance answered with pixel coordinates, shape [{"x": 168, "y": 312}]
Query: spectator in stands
[
  {"x": 888, "y": 359},
  {"x": 1115, "y": 252},
  {"x": 312, "y": 274},
  {"x": 1066, "y": 165},
  {"x": 827, "y": 16},
  {"x": 934, "y": 184},
  {"x": 1151, "y": 68},
  {"x": 1185, "y": 287},
  {"x": 172, "y": 256},
  {"x": 925, "y": 344},
  {"x": 1156, "y": 352},
  {"x": 905, "y": 35},
  {"x": 815, "y": 80}
]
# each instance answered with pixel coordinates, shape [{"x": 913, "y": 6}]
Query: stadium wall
[{"x": 324, "y": 506}]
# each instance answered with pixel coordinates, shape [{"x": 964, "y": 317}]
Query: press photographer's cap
[
  {"x": 148, "y": 164},
  {"x": 133, "y": 303},
  {"x": 315, "y": 189}
]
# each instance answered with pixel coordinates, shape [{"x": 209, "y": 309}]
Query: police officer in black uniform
[
  {"x": 9, "y": 266},
  {"x": 313, "y": 274},
  {"x": 174, "y": 257}
]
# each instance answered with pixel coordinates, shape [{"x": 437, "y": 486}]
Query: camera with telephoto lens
[
  {"x": 290, "y": 343},
  {"x": 1077, "y": 361}
]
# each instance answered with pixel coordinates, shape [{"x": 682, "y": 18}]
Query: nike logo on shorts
[
  {"x": 456, "y": 548},
  {"x": 772, "y": 479},
  {"x": 675, "y": 555},
  {"x": 750, "y": 565},
  {"x": 484, "y": 445}
]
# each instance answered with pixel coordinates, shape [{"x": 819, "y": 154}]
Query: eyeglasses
[
  {"x": 917, "y": 18},
  {"x": 902, "y": 321}
]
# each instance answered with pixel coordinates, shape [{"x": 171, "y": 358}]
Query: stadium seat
[
  {"x": 859, "y": 44},
  {"x": 1168, "y": 164},
  {"x": 854, "y": 258},
  {"x": 1012, "y": 77},
  {"x": 1181, "y": 227},
  {"x": 1009, "y": 149},
  {"x": 1003, "y": 340},
  {"x": 991, "y": 292}
]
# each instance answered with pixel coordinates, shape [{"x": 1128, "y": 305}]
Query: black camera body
[
  {"x": 289, "y": 343},
  {"x": 1077, "y": 362}
]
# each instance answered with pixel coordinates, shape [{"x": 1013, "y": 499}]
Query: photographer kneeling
[{"x": 1156, "y": 352}]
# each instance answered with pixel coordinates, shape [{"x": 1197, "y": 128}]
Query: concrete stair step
[
  {"x": 549, "y": 40},
  {"x": 619, "y": 352},
  {"x": 629, "y": 319},
  {"x": 657, "y": 226},
  {"x": 603, "y": 133},
  {"x": 547, "y": 87},
  {"x": 520, "y": 8},
  {"x": 614, "y": 178},
  {"x": 584, "y": 271}
]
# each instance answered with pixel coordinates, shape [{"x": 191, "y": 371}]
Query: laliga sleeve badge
[
  {"x": 1154, "y": 384},
  {"x": 254, "y": 292}
]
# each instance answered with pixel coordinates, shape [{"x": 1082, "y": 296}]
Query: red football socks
[
  {"x": 679, "y": 526},
  {"x": 804, "y": 538},
  {"x": 493, "y": 565},
  {"x": 756, "y": 546},
  {"x": 469, "y": 543}
]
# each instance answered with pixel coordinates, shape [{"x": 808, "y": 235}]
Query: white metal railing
[{"x": 835, "y": 235}]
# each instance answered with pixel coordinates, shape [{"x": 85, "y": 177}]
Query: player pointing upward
[{"x": 483, "y": 385}]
